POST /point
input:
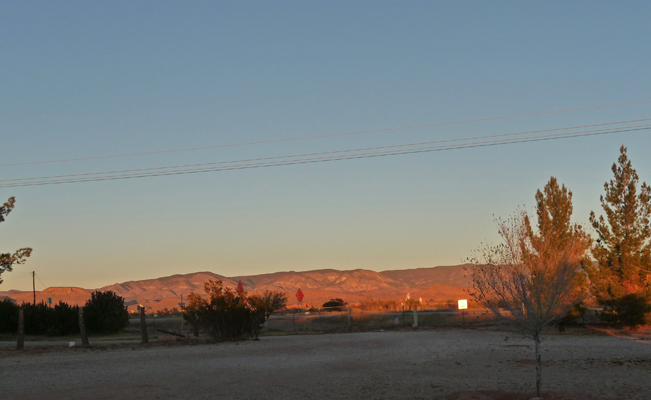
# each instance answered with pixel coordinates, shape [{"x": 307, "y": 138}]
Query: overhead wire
[
  {"x": 327, "y": 152},
  {"x": 39, "y": 279},
  {"x": 19, "y": 276},
  {"x": 77, "y": 179},
  {"x": 327, "y": 135}
]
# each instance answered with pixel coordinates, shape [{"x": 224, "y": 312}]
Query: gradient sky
[{"x": 88, "y": 79}]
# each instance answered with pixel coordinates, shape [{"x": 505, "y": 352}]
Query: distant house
[{"x": 2, "y": 298}]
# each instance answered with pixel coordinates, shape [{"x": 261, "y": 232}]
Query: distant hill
[
  {"x": 436, "y": 283},
  {"x": 453, "y": 275},
  {"x": 70, "y": 295}
]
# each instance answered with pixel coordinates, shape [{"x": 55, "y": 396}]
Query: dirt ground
[{"x": 446, "y": 364}]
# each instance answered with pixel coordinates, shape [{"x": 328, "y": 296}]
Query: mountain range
[{"x": 430, "y": 284}]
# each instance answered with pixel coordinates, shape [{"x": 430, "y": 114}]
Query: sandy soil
[{"x": 427, "y": 364}]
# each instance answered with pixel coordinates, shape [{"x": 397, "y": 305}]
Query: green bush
[
  {"x": 8, "y": 316},
  {"x": 629, "y": 311},
  {"x": 105, "y": 313},
  {"x": 64, "y": 320},
  {"x": 39, "y": 319}
]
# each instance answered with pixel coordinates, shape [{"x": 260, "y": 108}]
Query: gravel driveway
[{"x": 422, "y": 364}]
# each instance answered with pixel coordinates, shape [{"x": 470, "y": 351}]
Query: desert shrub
[
  {"x": 629, "y": 311},
  {"x": 105, "y": 312},
  {"x": 378, "y": 305},
  {"x": 268, "y": 302},
  {"x": 8, "y": 316},
  {"x": 444, "y": 304},
  {"x": 166, "y": 312},
  {"x": 226, "y": 315},
  {"x": 335, "y": 304}
]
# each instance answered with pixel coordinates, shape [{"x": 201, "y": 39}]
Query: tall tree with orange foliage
[
  {"x": 534, "y": 277},
  {"x": 622, "y": 279},
  {"x": 555, "y": 230}
]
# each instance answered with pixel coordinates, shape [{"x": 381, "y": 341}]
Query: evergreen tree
[
  {"x": 555, "y": 233},
  {"x": 554, "y": 211},
  {"x": 622, "y": 279}
]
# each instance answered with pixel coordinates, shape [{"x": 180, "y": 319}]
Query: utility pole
[{"x": 34, "y": 285}]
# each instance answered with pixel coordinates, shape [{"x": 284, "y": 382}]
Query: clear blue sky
[{"x": 89, "y": 79}]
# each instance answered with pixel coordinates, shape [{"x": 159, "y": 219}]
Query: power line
[
  {"x": 326, "y": 136},
  {"x": 18, "y": 276},
  {"x": 41, "y": 282},
  {"x": 326, "y": 159},
  {"x": 329, "y": 152}
]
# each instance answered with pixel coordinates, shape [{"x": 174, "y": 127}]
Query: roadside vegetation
[
  {"x": 104, "y": 313},
  {"x": 226, "y": 314}
]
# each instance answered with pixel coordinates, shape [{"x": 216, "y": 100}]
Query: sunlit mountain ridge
[{"x": 318, "y": 286}]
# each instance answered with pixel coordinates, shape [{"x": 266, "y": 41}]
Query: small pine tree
[
  {"x": 554, "y": 212},
  {"x": 555, "y": 232},
  {"x": 622, "y": 278}
]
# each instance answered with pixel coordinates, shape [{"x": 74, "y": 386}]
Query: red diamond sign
[{"x": 299, "y": 295}]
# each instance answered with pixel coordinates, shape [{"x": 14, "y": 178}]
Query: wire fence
[
  {"x": 341, "y": 319},
  {"x": 326, "y": 321}
]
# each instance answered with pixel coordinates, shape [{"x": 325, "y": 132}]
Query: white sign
[{"x": 463, "y": 304}]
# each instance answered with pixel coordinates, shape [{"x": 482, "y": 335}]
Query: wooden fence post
[
  {"x": 82, "y": 328},
  {"x": 21, "y": 329},
  {"x": 143, "y": 326},
  {"x": 349, "y": 324}
]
